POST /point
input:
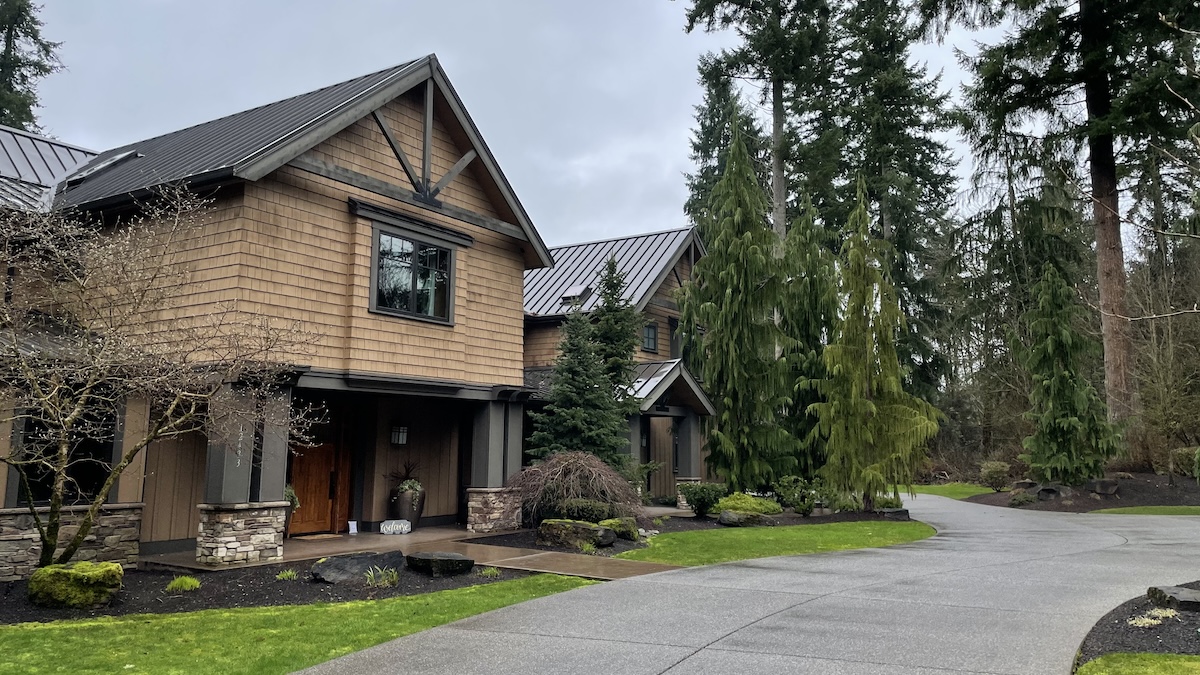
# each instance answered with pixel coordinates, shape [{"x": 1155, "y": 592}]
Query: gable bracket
[
  {"x": 453, "y": 172},
  {"x": 398, "y": 151}
]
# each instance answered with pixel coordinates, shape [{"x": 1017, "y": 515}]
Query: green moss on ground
[
  {"x": 706, "y": 547},
  {"x": 79, "y": 585},
  {"x": 1142, "y": 664},
  {"x": 250, "y": 641}
]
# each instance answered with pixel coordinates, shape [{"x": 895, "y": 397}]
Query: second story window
[
  {"x": 650, "y": 337},
  {"x": 412, "y": 277}
]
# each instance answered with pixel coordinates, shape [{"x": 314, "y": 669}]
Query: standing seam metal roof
[
  {"x": 220, "y": 144},
  {"x": 643, "y": 259},
  {"x": 31, "y": 165}
]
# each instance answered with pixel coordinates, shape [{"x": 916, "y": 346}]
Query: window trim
[
  {"x": 417, "y": 239},
  {"x": 654, "y": 325}
]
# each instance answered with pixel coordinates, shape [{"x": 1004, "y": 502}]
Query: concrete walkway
[{"x": 997, "y": 591}]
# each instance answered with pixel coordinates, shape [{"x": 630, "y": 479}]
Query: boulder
[
  {"x": 1175, "y": 597},
  {"x": 440, "y": 564},
  {"x": 1047, "y": 492},
  {"x": 744, "y": 519},
  {"x": 1103, "y": 486},
  {"x": 353, "y": 567},
  {"x": 78, "y": 585},
  {"x": 626, "y": 528},
  {"x": 894, "y": 514},
  {"x": 1025, "y": 484},
  {"x": 573, "y": 534}
]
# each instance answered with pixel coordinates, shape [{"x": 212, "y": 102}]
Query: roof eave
[{"x": 687, "y": 242}]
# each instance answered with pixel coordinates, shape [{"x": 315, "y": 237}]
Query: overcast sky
[{"x": 587, "y": 105}]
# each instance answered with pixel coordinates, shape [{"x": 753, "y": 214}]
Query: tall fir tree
[
  {"x": 875, "y": 432},
  {"x": 581, "y": 413},
  {"x": 808, "y": 309},
  {"x": 891, "y": 114},
  {"x": 616, "y": 332},
  {"x": 1072, "y": 439},
  {"x": 733, "y": 293},
  {"x": 1081, "y": 76},
  {"x": 26, "y": 57}
]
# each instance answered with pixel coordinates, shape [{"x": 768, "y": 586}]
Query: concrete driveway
[{"x": 996, "y": 591}]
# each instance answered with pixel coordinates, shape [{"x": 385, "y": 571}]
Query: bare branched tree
[{"x": 94, "y": 323}]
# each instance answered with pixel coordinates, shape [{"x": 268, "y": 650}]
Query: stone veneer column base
[
  {"x": 240, "y": 533},
  {"x": 493, "y": 509},
  {"x": 113, "y": 537}
]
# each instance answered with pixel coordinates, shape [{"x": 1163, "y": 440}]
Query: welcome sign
[{"x": 395, "y": 527}]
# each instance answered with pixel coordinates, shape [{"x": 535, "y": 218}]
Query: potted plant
[
  {"x": 408, "y": 496},
  {"x": 289, "y": 495}
]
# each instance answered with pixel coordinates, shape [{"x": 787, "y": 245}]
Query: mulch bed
[
  {"x": 527, "y": 538},
  {"x": 1114, "y": 634},
  {"x": 1144, "y": 489},
  {"x": 247, "y": 587}
]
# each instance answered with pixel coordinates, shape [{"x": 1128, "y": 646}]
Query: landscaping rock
[
  {"x": 1103, "y": 486},
  {"x": 440, "y": 564},
  {"x": 1048, "y": 492},
  {"x": 894, "y": 514},
  {"x": 573, "y": 534},
  {"x": 1025, "y": 484},
  {"x": 79, "y": 585},
  {"x": 1175, "y": 597},
  {"x": 744, "y": 519},
  {"x": 353, "y": 567},
  {"x": 626, "y": 528}
]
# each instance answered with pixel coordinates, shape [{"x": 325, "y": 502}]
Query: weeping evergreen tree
[
  {"x": 616, "y": 332},
  {"x": 732, "y": 294},
  {"x": 581, "y": 413},
  {"x": 875, "y": 432},
  {"x": 808, "y": 308},
  {"x": 1072, "y": 437}
]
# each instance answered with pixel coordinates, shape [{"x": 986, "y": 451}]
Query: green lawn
[
  {"x": 1155, "y": 510},
  {"x": 705, "y": 547},
  {"x": 951, "y": 490},
  {"x": 1142, "y": 664},
  {"x": 250, "y": 640}
]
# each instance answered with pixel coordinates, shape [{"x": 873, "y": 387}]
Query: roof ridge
[
  {"x": 623, "y": 238},
  {"x": 260, "y": 107}
]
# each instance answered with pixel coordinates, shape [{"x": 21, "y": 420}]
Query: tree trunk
[
  {"x": 778, "y": 179},
  {"x": 1119, "y": 387}
]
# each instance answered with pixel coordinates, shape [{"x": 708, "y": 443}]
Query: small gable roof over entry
[
  {"x": 251, "y": 144},
  {"x": 644, "y": 260}
]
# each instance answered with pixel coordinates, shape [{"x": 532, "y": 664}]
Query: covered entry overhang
[{"x": 662, "y": 385}]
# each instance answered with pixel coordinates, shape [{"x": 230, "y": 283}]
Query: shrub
[
  {"x": 489, "y": 572},
  {"x": 800, "y": 494},
  {"x": 626, "y": 528},
  {"x": 1184, "y": 460},
  {"x": 1021, "y": 499},
  {"x": 702, "y": 497},
  {"x": 80, "y": 585},
  {"x": 658, "y": 522},
  {"x": 888, "y": 502},
  {"x": 565, "y": 476},
  {"x": 744, "y": 503},
  {"x": 588, "y": 510},
  {"x": 994, "y": 475},
  {"x": 287, "y": 575},
  {"x": 183, "y": 584},
  {"x": 848, "y": 502},
  {"x": 382, "y": 577},
  {"x": 587, "y": 548}
]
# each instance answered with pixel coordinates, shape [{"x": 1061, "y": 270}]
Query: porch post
[
  {"x": 230, "y": 455},
  {"x": 273, "y": 469},
  {"x": 487, "y": 446},
  {"x": 514, "y": 439},
  {"x": 689, "y": 446},
  {"x": 634, "y": 446}
]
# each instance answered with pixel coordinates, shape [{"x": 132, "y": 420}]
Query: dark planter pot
[{"x": 404, "y": 506}]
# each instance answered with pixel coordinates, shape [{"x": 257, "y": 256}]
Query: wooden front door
[{"x": 314, "y": 480}]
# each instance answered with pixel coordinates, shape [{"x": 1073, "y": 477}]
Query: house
[
  {"x": 31, "y": 165},
  {"x": 372, "y": 213},
  {"x": 654, "y": 266}
]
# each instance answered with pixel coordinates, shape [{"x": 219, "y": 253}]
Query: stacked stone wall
[
  {"x": 493, "y": 510},
  {"x": 113, "y": 538},
  {"x": 240, "y": 533}
]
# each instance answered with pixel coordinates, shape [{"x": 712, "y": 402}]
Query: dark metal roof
[
  {"x": 223, "y": 145},
  {"x": 650, "y": 381},
  {"x": 644, "y": 260},
  {"x": 30, "y": 165}
]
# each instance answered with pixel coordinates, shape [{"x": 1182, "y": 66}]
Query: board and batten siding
[
  {"x": 174, "y": 485},
  {"x": 433, "y": 428}
]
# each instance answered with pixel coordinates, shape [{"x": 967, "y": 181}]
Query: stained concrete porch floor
[{"x": 445, "y": 539}]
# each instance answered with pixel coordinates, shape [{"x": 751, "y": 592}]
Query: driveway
[{"x": 996, "y": 591}]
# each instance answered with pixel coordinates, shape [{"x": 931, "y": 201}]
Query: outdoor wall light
[{"x": 399, "y": 435}]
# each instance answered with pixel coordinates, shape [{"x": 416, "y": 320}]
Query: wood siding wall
[
  {"x": 433, "y": 428},
  {"x": 662, "y": 307},
  {"x": 662, "y": 449},
  {"x": 174, "y": 486},
  {"x": 541, "y": 344}
]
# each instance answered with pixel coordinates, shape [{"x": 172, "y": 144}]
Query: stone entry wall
[
  {"x": 237, "y": 533},
  {"x": 113, "y": 538},
  {"x": 493, "y": 510}
]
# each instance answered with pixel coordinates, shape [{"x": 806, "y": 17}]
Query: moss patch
[{"x": 79, "y": 585}]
